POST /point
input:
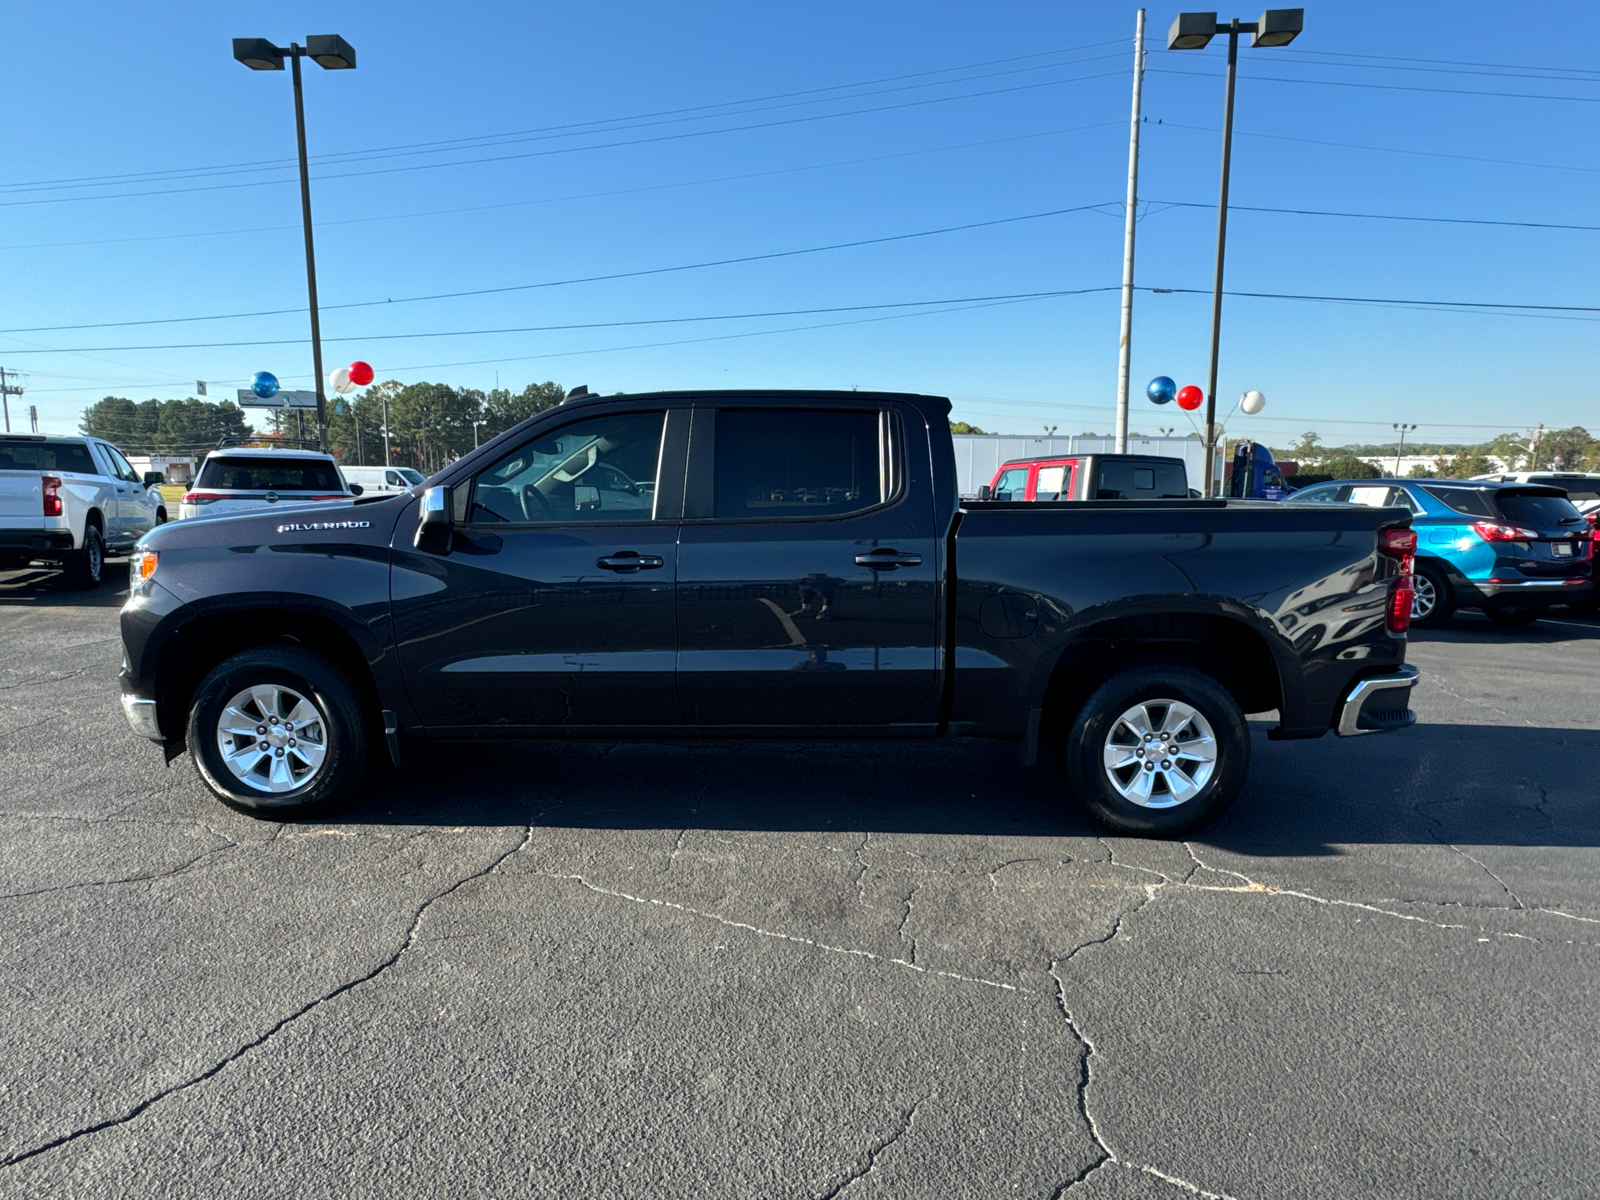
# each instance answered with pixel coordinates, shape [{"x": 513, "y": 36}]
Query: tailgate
[{"x": 21, "y": 500}]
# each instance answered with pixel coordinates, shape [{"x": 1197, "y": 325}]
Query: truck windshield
[
  {"x": 46, "y": 456},
  {"x": 274, "y": 473}
]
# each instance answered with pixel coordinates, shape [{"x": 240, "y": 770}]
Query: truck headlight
[{"x": 141, "y": 565}]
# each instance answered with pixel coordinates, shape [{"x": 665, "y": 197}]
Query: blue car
[{"x": 1513, "y": 550}]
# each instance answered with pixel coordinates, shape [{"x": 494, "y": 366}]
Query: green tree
[
  {"x": 1308, "y": 449},
  {"x": 963, "y": 427},
  {"x": 1341, "y": 464},
  {"x": 1564, "y": 449},
  {"x": 1419, "y": 472},
  {"x": 164, "y": 426}
]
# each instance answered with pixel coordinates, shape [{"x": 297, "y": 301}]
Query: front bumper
[
  {"x": 1379, "y": 703},
  {"x": 141, "y": 714}
]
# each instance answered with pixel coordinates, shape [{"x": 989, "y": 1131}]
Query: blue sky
[{"x": 148, "y": 100}]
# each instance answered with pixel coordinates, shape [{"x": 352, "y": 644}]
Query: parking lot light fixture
[
  {"x": 333, "y": 53},
  {"x": 1193, "y": 31}
]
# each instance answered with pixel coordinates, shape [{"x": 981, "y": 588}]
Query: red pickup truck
[{"x": 1089, "y": 477}]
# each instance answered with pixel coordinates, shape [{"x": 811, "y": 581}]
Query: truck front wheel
[
  {"x": 1158, "y": 752},
  {"x": 278, "y": 731}
]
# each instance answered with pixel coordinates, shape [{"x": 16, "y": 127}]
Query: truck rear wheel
[
  {"x": 86, "y": 565},
  {"x": 1158, "y": 752},
  {"x": 278, "y": 731}
]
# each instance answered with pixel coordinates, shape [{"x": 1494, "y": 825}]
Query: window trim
[
  {"x": 654, "y": 516},
  {"x": 700, "y": 482}
]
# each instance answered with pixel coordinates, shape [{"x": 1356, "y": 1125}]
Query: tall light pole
[
  {"x": 1193, "y": 31},
  {"x": 333, "y": 53},
  {"x": 1402, "y": 429},
  {"x": 1125, "y": 349}
]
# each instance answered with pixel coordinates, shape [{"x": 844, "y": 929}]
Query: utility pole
[
  {"x": 8, "y": 390},
  {"x": 1535, "y": 437},
  {"x": 386, "y": 429},
  {"x": 33, "y": 416},
  {"x": 1401, "y": 428},
  {"x": 1125, "y": 351}
]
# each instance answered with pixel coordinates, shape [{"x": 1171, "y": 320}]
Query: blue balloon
[
  {"x": 1161, "y": 390},
  {"x": 264, "y": 384}
]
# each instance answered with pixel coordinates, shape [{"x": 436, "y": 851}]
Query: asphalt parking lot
[{"x": 802, "y": 970}]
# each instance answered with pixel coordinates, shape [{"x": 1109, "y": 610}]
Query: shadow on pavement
[
  {"x": 1466, "y": 784},
  {"x": 1475, "y": 629},
  {"x": 47, "y": 587}
]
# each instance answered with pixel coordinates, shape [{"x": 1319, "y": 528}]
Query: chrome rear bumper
[{"x": 1379, "y": 703}]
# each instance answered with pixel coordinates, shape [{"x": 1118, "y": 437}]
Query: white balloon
[
  {"x": 1252, "y": 402},
  {"x": 339, "y": 380}
]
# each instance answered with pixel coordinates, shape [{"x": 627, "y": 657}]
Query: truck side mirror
[
  {"x": 435, "y": 522},
  {"x": 152, "y": 478},
  {"x": 586, "y": 499},
  {"x": 985, "y": 492},
  {"x": 356, "y": 489}
]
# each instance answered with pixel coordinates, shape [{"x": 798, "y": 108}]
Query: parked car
[
  {"x": 764, "y": 564},
  {"x": 1512, "y": 550},
  {"x": 1088, "y": 477},
  {"x": 382, "y": 479},
  {"x": 72, "y": 500},
  {"x": 236, "y": 478}
]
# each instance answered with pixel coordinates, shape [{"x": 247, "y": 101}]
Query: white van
[{"x": 382, "y": 479}]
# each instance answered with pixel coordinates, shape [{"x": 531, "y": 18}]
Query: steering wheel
[
  {"x": 536, "y": 505},
  {"x": 619, "y": 481}
]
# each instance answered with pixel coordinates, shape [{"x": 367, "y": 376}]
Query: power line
[
  {"x": 898, "y": 237},
  {"x": 1446, "y": 305},
  {"x": 1386, "y": 87},
  {"x": 656, "y": 187},
  {"x": 696, "y": 133},
  {"x": 1315, "y": 212},
  {"x": 152, "y": 176},
  {"x": 1579, "y": 74},
  {"x": 1278, "y": 137}
]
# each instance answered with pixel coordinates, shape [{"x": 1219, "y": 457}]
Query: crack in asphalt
[
  {"x": 874, "y": 1152},
  {"x": 182, "y": 869},
  {"x": 901, "y": 931},
  {"x": 1086, "y": 1057},
  {"x": 222, "y": 1064},
  {"x": 781, "y": 936}
]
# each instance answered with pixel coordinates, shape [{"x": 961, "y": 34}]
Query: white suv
[{"x": 243, "y": 477}]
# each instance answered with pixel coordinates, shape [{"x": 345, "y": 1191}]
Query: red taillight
[
  {"x": 202, "y": 497},
  {"x": 1402, "y": 595},
  {"x": 1399, "y": 544},
  {"x": 51, "y": 495},
  {"x": 1494, "y": 531}
]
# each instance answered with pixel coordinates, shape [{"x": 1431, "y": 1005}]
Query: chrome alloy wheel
[
  {"x": 272, "y": 738},
  {"x": 1424, "y": 599},
  {"x": 1160, "y": 753}
]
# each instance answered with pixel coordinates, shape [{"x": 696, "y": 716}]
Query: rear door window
[
  {"x": 1542, "y": 512},
  {"x": 773, "y": 463},
  {"x": 1325, "y": 494},
  {"x": 270, "y": 474},
  {"x": 1142, "y": 481},
  {"x": 1471, "y": 502},
  {"x": 46, "y": 456},
  {"x": 1052, "y": 482}
]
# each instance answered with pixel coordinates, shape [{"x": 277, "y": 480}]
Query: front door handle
[
  {"x": 629, "y": 561},
  {"x": 888, "y": 560}
]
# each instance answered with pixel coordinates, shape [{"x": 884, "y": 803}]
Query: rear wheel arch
[{"x": 1214, "y": 642}]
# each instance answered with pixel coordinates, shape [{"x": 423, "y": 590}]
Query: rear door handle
[
  {"x": 629, "y": 561},
  {"x": 888, "y": 560}
]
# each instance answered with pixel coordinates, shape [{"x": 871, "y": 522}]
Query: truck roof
[{"x": 764, "y": 394}]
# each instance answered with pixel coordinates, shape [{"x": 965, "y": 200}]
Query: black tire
[
  {"x": 85, "y": 567},
  {"x": 1513, "y": 618},
  {"x": 1429, "y": 576},
  {"x": 1090, "y": 779},
  {"x": 345, "y": 730}
]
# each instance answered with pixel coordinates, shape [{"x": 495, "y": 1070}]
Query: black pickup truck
[{"x": 763, "y": 564}]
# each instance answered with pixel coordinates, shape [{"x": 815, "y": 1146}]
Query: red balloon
[
  {"x": 362, "y": 374},
  {"x": 1189, "y": 397}
]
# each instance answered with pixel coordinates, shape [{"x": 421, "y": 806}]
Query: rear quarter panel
[{"x": 1306, "y": 578}]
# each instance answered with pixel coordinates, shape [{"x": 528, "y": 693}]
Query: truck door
[
  {"x": 807, "y": 570},
  {"x": 134, "y": 515},
  {"x": 554, "y": 605}
]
